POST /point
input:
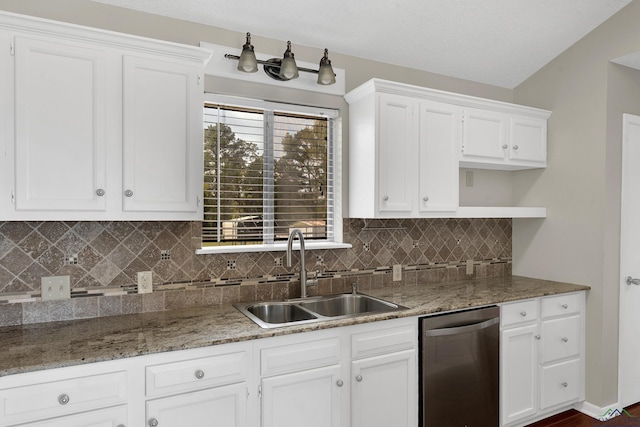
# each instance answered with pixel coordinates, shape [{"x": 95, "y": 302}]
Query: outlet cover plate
[
  {"x": 55, "y": 288},
  {"x": 145, "y": 282},
  {"x": 397, "y": 272}
]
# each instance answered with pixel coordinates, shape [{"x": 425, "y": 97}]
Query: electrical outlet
[
  {"x": 397, "y": 272},
  {"x": 55, "y": 288},
  {"x": 145, "y": 282},
  {"x": 469, "y": 267},
  {"x": 469, "y": 178}
]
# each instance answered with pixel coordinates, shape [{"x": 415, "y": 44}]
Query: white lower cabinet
[
  {"x": 220, "y": 406},
  {"x": 542, "y": 357}
]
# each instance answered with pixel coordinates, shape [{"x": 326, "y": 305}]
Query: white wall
[{"x": 578, "y": 241}]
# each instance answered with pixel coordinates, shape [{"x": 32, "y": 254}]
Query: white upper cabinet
[
  {"x": 103, "y": 126},
  {"x": 402, "y": 163},
  {"x": 60, "y": 124},
  {"x": 407, "y": 143},
  {"x": 162, "y": 135}
]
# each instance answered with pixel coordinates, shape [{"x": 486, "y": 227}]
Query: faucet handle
[{"x": 354, "y": 288}]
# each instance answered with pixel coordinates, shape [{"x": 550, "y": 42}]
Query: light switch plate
[{"x": 55, "y": 288}]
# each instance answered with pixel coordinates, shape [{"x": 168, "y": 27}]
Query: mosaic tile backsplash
[{"x": 103, "y": 258}]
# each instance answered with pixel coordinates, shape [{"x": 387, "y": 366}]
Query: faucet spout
[{"x": 303, "y": 271}]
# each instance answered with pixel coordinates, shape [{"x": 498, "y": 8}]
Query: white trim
[
  {"x": 276, "y": 247},
  {"x": 595, "y": 411},
  {"x": 281, "y": 107},
  {"x": 222, "y": 67}
]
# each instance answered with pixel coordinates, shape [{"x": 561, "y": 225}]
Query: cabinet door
[
  {"x": 163, "y": 137},
  {"x": 110, "y": 417},
  {"x": 60, "y": 118},
  {"x": 438, "y": 161},
  {"x": 528, "y": 140},
  {"x": 219, "y": 407},
  {"x": 311, "y": 398},
  {"x": 484, "y": 136},
  {"x": 519, "y": 372},
  {"x": 384, "y": 391},
  {"x": 397, "y": 151}
]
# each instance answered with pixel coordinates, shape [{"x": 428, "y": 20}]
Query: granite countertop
[{"x": 36, "y": 347}]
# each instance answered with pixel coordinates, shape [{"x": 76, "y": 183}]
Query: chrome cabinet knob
[
  {"x": 515, "y": 147},
  {"x": 425, "y": 199},
  {"x": 505, "y": 146},
  {"x": 537, "y": 337},
  {"x": 100, "y": 192},
  {"x": 153, "y": 422},
  {"x": 385, "y": 198},
  {"x": 565, "y": 384},
  {"x": 523, "y": 313},
  {"x": 631, "y": 281},
  {"x": 359, "y": 378},
  {"x": 128, "y": 193},
  {"x": 565, "y": 306},
  {"x": 565, "y": 339},
  {"x": 63, "y": 399},
  {"x": 199, "y": 374},
  {"x": 339, "y": 383}
]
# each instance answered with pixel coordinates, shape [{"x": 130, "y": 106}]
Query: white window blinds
[{"x": 266, "y": 172}]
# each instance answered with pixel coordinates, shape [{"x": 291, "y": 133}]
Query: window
[{"x": 268, "y": 168}]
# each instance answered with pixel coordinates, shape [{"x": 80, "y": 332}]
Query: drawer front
[
  {"x": 560, "y": 383},
  {"x": 561, "y": 305},
  {"x": 109, "y": 417},
  {"x": 58, "y": 398},
  {"x": 383, "y": 341},
  {"x": 518, "y": 312},
  {"x": 298, "y": 357},
  {"x": 196, "y": 373},
  {"x": 561, "y": 338}
]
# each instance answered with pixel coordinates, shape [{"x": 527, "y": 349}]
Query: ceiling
[{"x": 497, "y": 42}]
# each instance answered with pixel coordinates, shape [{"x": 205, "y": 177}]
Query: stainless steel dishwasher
[{"x": 459, "y": 368}]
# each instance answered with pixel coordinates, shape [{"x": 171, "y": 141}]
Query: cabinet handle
[
  {"x": 385, "y": 198},
  {"x": 128, "y": 193},
  {"x": 63, "y": 399},
  {"x": 565, "y": 339},
  {"x": 565, "y": 306},
  {"x": 359, "y": 378},
  {"x": 153, "y": 422},
  {"x": 565, "y": 384},
  {"x": 100, "y": 192},
  {"x": 425, "y": 199},
  {"x": 537, "y": 337},
  {"x": 199, "y": 374},
  {"x": 505, "y": 146},
  {"x": 523, "y": 313},
  {"x": 339, "y": 383},
  {"x": 515, "y": 147}
]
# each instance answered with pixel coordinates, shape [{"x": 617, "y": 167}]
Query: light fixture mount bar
[{"x": 274, "y": 64}]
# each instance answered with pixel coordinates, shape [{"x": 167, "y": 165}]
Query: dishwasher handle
[{"x": 461, "y": 329}]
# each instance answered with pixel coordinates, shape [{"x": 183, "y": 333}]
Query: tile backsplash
[{"x": 103, "y": 258}]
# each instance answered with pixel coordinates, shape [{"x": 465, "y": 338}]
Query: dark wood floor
[{"x": 574, "y": 418}]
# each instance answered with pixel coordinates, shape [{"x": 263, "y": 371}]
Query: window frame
[{"x": 336, "y": 117}]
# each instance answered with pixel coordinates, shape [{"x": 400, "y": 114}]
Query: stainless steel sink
[
  {"x": 347, "y": 305},
  {"x": 273, "y": 314}
]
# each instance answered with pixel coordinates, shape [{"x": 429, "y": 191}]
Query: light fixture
[{"x": 284, "y": 68}]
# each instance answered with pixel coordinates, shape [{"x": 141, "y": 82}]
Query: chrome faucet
[{"x": 303, "y": 271}]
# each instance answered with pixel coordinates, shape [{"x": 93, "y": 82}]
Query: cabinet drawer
[
  {"x": 560, "y": 383},
  {"x": 519, "y": 312},
  {"x": 57, "y": 398},
  {"x": 297, "y": 357},
  {"x": 383, "y": 341},
  {"x": 561, "y": 304},
  {"x": 196, "y": 373},
  {"x": 560, "y": 338}
]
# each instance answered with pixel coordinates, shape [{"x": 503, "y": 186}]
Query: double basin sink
[{"x": 274, "y": 314}]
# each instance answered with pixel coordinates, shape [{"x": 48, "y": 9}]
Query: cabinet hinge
[
  {"x": 12, "y": 49},
  {"x": 199, "y": 79},
  {"x": 198, "y": 201},
  {"x": 259, "y": 392},
  {"x": 13, "y": 198}
]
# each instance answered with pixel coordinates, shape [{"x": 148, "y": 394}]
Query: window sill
[{"x": 270, "y": 248}]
